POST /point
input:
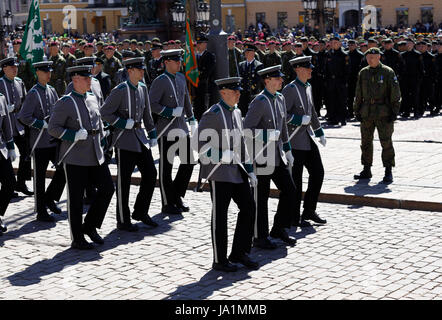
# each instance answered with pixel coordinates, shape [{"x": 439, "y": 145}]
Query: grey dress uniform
[
  {"x": 37, "y": 108},
  {"x": 228, "y": 181},
  {"x": 299, "y": 103},
  {"x": 95, "y": 89},
  {"x": 7, "y": 178},
  {"x": 127, "y": 101},
  {"x": 15, "y": 92},
  {"x": 268, "y": 112},
  {"x": 166, "y": 93},
  {"x": 84, "y": 159}
]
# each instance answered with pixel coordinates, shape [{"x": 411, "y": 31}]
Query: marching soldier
[
  {"x": 337, "y": 72},
  {"x": 411, "y": 80},
  {"x": 230, "y": 180},
  {"x": 111, "y": 64},
  {"x": 155, "y": 66},
  {"x": 35, "y": 113},
  {"x": 59, "y": 75},
  {"x": 376, "y": 105},
  {"x": 170, "y": 100},
  {"x": 14, "y": 90},
  {"x": 267, "y": 119},
  {"x": 24, "y": 67},
  {"x": 7, "y": 156},
  {"x": 356, "y": 57},
  {"x": 235, "y": 57},
  {"x": 125, "y": 109},
  {"x": 206, "y": 67},
  {"x": 76, "y": 121},
  {"x": 251, "y": 82},
  {"x": 272, "y": 58},
  {"x": 302, "y": 123}
]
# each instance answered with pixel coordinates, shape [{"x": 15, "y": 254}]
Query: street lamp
[
  {"x": 178, "y": 14},
  {"x": 7, "y": 18},
  {"x": 200, "y": 22},
  {"x": 203, "y": 14}
]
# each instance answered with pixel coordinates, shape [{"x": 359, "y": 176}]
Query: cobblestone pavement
[{"x": 362, "y": 253}]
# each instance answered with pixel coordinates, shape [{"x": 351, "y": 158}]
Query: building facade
[
  {"x": 19, "y": 10},
  {"x": 82, "y": 16}
]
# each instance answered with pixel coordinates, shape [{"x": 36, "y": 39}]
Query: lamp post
[
  {"x": 7, "y": 18},
  {"x": 320, "y": 11}
]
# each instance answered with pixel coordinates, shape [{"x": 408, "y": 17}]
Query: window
[
  {"x": 427, "y": 15},
  {"x": 379, "y": 17},
  {"x": 260, "y": 17},
  {"x": 402, "y": 16},
  {"x": 282, "y": 20}
]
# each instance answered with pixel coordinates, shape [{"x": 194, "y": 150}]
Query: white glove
[
  {"x": 130, "y": 124},
  {"x": 11, "y": 107},
  {"x": 193, "y": 127},
  {"x": 322, "y": 140},
  {"x": 12, "y": 155},
  {"x": 305, "y": 120},
  {"x": 45, "y": 124},
  {"x": 177, "y": 111},
  {"x": 253, "y": 180},
  {"x": 227, "y": 156},
  {"x": 290, "y": 158},
  {"x": 153, "y": 142},
  {"x": 80, "y": 135},
  {"x": 273, "y": 135}
]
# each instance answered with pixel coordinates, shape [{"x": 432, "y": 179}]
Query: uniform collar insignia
[
  {"x": 302, "y": 84},
  {"x": 131, "y": 85},
  {"x": 226, "y": 106}
]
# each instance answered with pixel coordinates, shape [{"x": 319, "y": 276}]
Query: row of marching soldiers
[{"x": 76, "y": 131}]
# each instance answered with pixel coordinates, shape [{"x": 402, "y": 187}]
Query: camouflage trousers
[{"x": 385, "y": 131}]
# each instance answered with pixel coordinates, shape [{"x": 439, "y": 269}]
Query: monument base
[{"x": 143, "y": 33}]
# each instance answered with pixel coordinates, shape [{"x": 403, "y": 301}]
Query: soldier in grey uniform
[
  {"x": 35, "y": 113},
  {"x": 76, "y": 120},
  {"x": 267, "y": 119},
  {"x": 302, "y": 121},
  {"x": 170, "y": 100},
  {"x": 95, "y": 84},
  {"x": 228, "y": 176},
  {"x": 125, "y": 109},
  {"x": 14, "y": 90},
  {"x": 7, "y": 156}
]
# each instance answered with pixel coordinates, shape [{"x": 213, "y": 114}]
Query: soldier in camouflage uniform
[
  {"x": 286, "y": 56},
  {"x": 24, "y": 67},
  {"x": 377, "y": 103},
  {"x": 235, "y": 57},
  {"x": 111, "y": 64},
  {"x": 100, "y": 52},
  {"x": 79, "y": 52},
  {"x": 134, "y": 48},
  {"x": 58, "y": 76},
  {"x": 69, "y": 57},
  {"x": 272, "y": 58}
]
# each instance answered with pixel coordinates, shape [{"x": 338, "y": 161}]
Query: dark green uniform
[
  {"x": 25, "y": 72},
  {"x": 287, "y": 68},
  {"x": 111, "y": 66},
  {"x": 377, "y": 102},
  {"x": 272, "y": 59},
  {"x": 58, "y": 76},
  {"x": 235, "y": 57}
]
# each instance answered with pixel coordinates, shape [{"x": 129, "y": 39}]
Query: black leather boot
[
  {"x": 365, "y": 174},
  {"x": 388, "y": 177}
]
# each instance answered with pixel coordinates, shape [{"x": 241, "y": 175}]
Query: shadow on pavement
[
  {"x": 362, "y": 188},
  {"x": 215, "y": 280},
  {"x": 34, "y": 273}
]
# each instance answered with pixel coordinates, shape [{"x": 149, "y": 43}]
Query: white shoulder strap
[{"x": 78, "y": 111}]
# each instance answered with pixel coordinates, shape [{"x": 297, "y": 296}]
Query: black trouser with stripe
[
  {"x": 76, "y": 184},
  {"x": 24, "y": 166},
  {"x": 283, "y": 181},
  {"x": 170, "y": 189},
  {"x": 311, "y": 159},
  {"x": 7, "y": 180},
  {"x": 41, "y": 159},
  {"x": 222, "y": 193},
  {"x": 127, "y": 160}
]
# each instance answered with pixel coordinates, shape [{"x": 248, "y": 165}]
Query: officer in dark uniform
[
  {"x": 267, "y": 118},
  {"x": 391, "y": 57},
  {"x": 315, "y": 80},
  {"x": 147, "y": 52},
  {"x": 376, "y": 105},
  {"x": 427, "y": 96},
  {"x": 356, "y": 57},
  {"x": 251, "y": 82},
  {"x": 102, "y": 77},
  {"x": 206, "y": 67},
  {"x": 320, "y": 70},
  {"x": 13, "y": 88},
  {"x": 235, "y": 57},
  {"x": 411, "y": 80},
  {"x": 438, "y": 106},
  {"x": 230, "y": 180},
  {"x": 125, "y": 109},
  {"x": 272, "y": 57},
  {"x": 337, "y": 72},
  {"x": 169, "y": 98},
  {"x": 76, "y": 121},
  {"x": 302, "y": 117},
  {"x": 286, "y": 56},
  {"x": 7, "y": 156},
  {"x": 155, "y": 66},
  {"x": 35, "y": 113}
]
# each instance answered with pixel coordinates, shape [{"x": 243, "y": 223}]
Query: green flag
[
  {"x": 189, "y": 58},
  {"x": 31, "y": 48}
]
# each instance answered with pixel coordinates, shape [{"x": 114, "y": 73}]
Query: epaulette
[
  {"x": 261, "y": 98},
  {"x": 216, "y": 110},
  {"x": 90, "y": 93},
  {"x": 291, "y": 85},
  {"x": 64, "y": 97},
  {"x": 1, "y": 94},
  {"x": 141, "y": 83},
  {"x": 121, "y": 85},
  {"x": 19, "y": 79}
]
